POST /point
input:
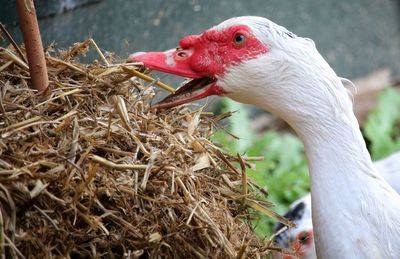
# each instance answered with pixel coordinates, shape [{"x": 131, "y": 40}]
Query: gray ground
[{"x": 356, "y": 37}]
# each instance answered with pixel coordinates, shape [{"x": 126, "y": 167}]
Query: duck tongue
[{"x": 194, "y": 89}]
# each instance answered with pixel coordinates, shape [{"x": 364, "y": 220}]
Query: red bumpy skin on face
[{"x": 205, "y": 55}]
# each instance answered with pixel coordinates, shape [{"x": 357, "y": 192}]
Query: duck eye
[
  {"x": 239, "y": 39},
  {"x": 303, "y": 237}
]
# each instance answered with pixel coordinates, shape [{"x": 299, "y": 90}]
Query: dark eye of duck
[
  {"x": 303, "y": 237},
  {"x": 239, "y": 39}
]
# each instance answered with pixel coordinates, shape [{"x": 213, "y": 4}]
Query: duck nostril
[{"x": 182, "y": 54}]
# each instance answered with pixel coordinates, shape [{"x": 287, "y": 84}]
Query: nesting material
[{"x": 88, "y": 170}]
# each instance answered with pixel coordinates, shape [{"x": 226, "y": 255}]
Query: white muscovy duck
[
  {"x": 300, "y": 239},
  {"x": 253, "y": 60}
]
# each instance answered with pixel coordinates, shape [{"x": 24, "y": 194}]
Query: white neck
[
  {"x": 346, "y": 190},
  {"x": 355, "y": 213},
  {"x": 337, "y": 153}
]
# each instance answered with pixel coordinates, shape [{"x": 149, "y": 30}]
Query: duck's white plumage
[
  {"x": 253, "y": 60},
  {"x": 293, "y": 81}
]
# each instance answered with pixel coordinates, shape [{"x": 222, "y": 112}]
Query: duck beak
[
  {"x": 174, "y": 61},
  {"x": 177, "y": 62}
]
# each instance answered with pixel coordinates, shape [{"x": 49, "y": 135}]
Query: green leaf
[{"x": 380, "y": 128}]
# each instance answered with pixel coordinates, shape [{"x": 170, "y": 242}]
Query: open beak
[{"x": 177, "y": 62}]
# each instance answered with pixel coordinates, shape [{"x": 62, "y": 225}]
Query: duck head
[{"x": 251, "y": 60}]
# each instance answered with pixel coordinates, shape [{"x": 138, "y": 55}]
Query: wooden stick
[{"x": 33, "y": 44}]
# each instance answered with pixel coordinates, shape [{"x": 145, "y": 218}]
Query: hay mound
[{"x": 88, "y": 170}]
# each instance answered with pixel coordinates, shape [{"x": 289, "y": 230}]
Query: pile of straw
[{"x": 89, "y": 170}]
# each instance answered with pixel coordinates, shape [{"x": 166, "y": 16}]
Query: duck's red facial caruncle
[{"x": 203, "y": 56}]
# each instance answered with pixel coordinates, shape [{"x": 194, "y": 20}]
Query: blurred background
[
  {"x": 356, "y": 37},
  {"x": 360, "y": 39}
]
